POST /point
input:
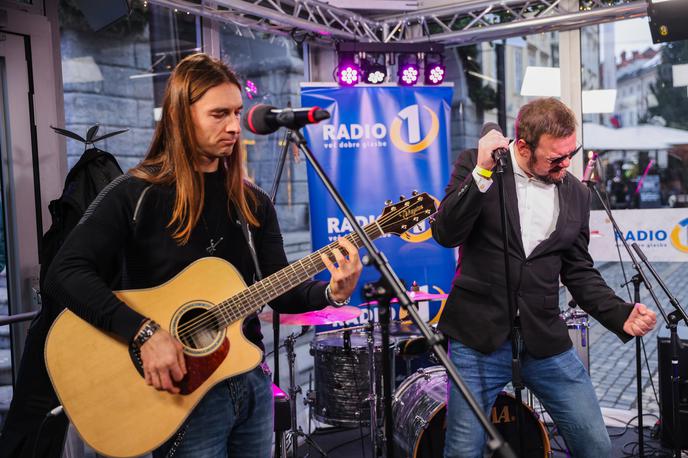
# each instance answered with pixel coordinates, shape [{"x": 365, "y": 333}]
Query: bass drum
[{"x": 419, "y": 412}]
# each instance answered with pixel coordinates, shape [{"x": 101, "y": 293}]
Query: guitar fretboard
[{"x": 255, "y": 296}]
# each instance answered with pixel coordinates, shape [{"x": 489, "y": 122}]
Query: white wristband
[{"x": 328, "y": 297}]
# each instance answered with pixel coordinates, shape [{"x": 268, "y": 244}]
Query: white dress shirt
[{"x": 538, "y": 204}]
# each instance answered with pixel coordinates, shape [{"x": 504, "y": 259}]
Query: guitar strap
[{"x": 249, "y": 239}]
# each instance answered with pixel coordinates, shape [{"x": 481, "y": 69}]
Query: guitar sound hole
[{"x": 197, "y": 328}]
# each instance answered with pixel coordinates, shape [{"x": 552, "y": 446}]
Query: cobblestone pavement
[{"x": 612, "y": 363}]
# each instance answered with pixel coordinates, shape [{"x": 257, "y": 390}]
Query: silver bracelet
[
  {"x": 145, "y": 333},
  {"x": 328, "y": 296}
]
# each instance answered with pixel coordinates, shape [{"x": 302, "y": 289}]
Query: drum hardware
[
  {"x": 292, "y": 436},
  {"x": 578, "y": 325}
]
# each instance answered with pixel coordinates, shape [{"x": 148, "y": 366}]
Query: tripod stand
[{"x": 292, "y": 436}]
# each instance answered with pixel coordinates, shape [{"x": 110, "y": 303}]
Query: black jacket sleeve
[
  {"x": 461, "y": 204},
  {"x": 81, "y": 273},
  {"x": 587, "y": 286},
  {"x": 309, "y": 295}
]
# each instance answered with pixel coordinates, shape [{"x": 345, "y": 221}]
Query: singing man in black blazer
[{"x": 548, "y": 211}]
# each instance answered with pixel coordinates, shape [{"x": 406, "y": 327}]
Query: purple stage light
[
  {"x": 434, "y": 74},
  {"x": 409, "y": 75},
  {"x": 251, "y": 89},
  {"x": 349, "y": 74}
]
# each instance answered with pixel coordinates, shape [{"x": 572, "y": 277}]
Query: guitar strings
[{"x": 212, "y": 315}]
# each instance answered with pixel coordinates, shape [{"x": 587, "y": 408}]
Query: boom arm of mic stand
[{"x": 495, "y": 442}]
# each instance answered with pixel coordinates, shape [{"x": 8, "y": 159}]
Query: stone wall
[{"x": 111, "y": 98}]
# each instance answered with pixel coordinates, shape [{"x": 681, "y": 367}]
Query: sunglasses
[{"x": 559, "y": 160}]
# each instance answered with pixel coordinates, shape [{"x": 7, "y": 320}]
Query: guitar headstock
[{"x": 397, "y": 218}]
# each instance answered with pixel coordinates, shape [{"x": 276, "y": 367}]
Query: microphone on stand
[
  {"x": 590, "y": 169},
  {"x": 499, "y": 153},
  {"x": 265, "y": 119}
]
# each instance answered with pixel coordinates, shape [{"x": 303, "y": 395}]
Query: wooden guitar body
[{"x": 99, "y": 383}]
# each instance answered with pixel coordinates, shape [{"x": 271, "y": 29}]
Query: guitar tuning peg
[
  {"x": 402, "y": 197},
  {"x": 388, "y": 202},
  {"x": 414, "y": 193}
]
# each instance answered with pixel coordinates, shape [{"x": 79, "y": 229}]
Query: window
[
  {"x": 116, "y": 77},
  {"x": 648, "y": 86}
]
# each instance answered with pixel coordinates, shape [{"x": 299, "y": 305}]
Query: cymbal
[
  {"x": 416, "y": 296},
  {"x": 328, "y": 315}
]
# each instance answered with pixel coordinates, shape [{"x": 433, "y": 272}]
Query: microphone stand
[
  {"x": 500, "y": 157},
  {"x": 638, "y": 279},
  {"x": 379, "y": 261},
  {"x": 275, "y": 314},
  {"x": 675, "y": 343}
]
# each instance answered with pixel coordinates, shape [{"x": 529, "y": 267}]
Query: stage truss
[{"x": 463, "y": 22}]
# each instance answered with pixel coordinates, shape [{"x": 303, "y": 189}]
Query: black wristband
[{"x": 145, "y": 333}]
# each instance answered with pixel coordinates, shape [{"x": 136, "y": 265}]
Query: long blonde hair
[{"x": 173, "y": 152}]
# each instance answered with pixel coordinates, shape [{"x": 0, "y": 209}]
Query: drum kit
[{"x": 348, "y": 382}]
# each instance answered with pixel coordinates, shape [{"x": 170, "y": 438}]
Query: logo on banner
[
  {"x": 680, "y": 242},
  {"x": 421, "y": 232},
  {"x": 411, "y": 117}
]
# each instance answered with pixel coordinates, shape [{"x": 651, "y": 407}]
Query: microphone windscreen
[
  {"x": 488, "y": 126},
  {"x": 256, "y": 120}
]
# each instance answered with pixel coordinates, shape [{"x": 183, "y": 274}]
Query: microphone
[
  {"x": 265, "y": 119},
  {"x": 499, "y": 152},
  {"x": 590, "y": 169}
]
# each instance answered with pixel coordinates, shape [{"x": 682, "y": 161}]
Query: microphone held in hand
[
  {"x": 590, "y": 169},
  {"x": 499, "y": 153},
  {"x": 265, "y": 119}
]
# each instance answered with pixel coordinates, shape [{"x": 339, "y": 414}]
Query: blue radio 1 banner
[{"x": 382, "y": 142}]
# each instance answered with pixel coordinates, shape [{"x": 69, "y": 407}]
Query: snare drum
[
  {"x": 342, "y": 375},
  {"x": 419, "y": 412}
]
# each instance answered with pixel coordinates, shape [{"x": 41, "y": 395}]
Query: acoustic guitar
[{"x": 99, "y": 379}]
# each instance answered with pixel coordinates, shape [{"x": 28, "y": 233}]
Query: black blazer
[{"x": 477, "y": 311}]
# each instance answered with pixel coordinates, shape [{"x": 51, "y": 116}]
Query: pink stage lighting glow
[
  {"x": 408, "y": 75},
  {"x": 349, "y": 74}
]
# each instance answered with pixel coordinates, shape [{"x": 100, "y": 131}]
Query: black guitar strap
[{"x": 249, "y": 239}]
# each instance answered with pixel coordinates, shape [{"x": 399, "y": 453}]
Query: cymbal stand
[
  {"x": 295, "y": 432},
  {"x": 372, "y": 393}
]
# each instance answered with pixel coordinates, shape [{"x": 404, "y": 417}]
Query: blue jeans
[
  {"x": 234, "y": 419},
  {"x": 560, "y": 382}
]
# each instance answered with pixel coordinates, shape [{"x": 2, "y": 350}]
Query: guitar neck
[{"x": 255, "y": 296}]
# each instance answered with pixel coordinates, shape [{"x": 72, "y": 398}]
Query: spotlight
[
  {"x": 251, "y": 89},
  {"x": 434, "y": 69},
  {"x": 374, "y": 69},
  {"x": 348, "y": 71},
  {"x": 408, "y": 69}
]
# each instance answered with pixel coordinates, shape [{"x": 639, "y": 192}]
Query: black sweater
[{"x": 109, "y": 251}]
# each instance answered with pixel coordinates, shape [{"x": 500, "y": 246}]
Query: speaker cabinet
[
  {"x": 666, "y": 412},
  {"x": 668, "y": 19}
]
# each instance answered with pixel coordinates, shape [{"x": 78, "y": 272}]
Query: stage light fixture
[
  {"x": 435, "y": 70},
  {"x": 408, "y": 69},
  {"x": 374, "y": 69},
  {"x": 348, "y": 71}
]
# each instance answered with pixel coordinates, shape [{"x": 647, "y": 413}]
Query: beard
[{"x": 552, "y": 177}]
